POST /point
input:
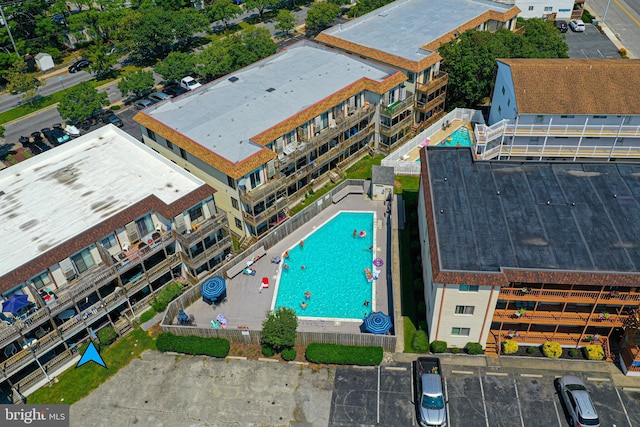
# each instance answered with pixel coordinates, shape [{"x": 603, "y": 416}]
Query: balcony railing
[
  {"x": 397, "y": 107},
  {"x": 557, "y": 318},
  {"x": 551, "y": 295},
  {"x": 440, "y": 79}
]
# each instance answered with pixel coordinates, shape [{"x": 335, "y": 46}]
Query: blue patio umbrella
[
  {"x": 378, "y": 323},
  {"x": 214, "y": 287},
  {"x": 15, "y": 303}
]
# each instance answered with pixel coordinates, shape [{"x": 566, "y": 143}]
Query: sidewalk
[{"x": 533, "y": 363}]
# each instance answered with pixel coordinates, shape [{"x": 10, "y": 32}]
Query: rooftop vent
[
  {"x": 233, "y": 79},
  {"x": 270, "y": 89}
]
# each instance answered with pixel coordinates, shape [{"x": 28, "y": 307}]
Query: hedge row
[
  {"x": 343, "y": 354},
  {"x": 215, "y": 347}
]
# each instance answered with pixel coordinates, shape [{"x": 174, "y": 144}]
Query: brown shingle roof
[
  {"x": 93, "y": 234},
  {"x": 576, "y": 86}
]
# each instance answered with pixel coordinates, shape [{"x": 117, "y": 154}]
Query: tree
[
  {"x": 176, "y": 65},
  {"x": 19, "y": 81},
  {"x": 214, "y": 61},
  {"x": 81, "y": 101},
  {"x": 101, "y": 62},
  {"x": 222, "y": 10},
  {"x": 279, "y": 329},
  {"x": 136, "y": 82},
  {"x": 286, "y": 21},
  {"x": 321, "y": 15},
  {"x": 260, "y": 5}
]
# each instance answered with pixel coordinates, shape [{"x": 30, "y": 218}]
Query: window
[
  {"x": 234, "y": 203},
  {"x": 42, "y": 280},
  {"x": 530, "y": 7},
  {"x": 238, "y": 223},
  {"x": 83, "y": 261},
  {"x": 109, "y": 241},
  {"x": 183, "y": 153},
  {"x": 169, "y": 145},
  {"x": 503, "y": 90},
  {"x": 464, "y": 309},
  {"x": 469, "y": 288},
  {"x": 145, "y": 225},
  {"x": 151, "y": 134},
  {"x": 231, "y": 182},
  {"x": 195, "y": 213},
  {"x": 548, "y": 8},
  {"x": 464, "y": 332}
]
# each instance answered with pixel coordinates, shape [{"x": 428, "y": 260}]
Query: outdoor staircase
[{"x": 491, "y": 348}]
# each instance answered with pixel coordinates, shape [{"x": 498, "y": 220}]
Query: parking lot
[{"x": 591, "y": 44}]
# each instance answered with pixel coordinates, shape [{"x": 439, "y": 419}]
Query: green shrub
[
  {"x": 289, "y": 354},
  {"x": 343, "y": 354},
  {"x": 267, "y": 350},
  {"x": 573, "y": 353},
  {"x": 474, "y": 348},
  {"x": 147, "y": 315},
  {"x": 422, "y": 309},
  {"x": 422, "y": 325},
  {"x": 215, "y": 347},
  {"x": 594, "y": 352},
  {"x": 165, "y": 296},
  {"x": 420, "y": 342},
  {"x": 107, "y": 336},
  {"x": 509, "y": 346},
  {"x": 438, "y": 346},
  {"x": 455, "y": 350},
  {"x": 552, "y": 349},
  {"x": 531, "y": 350}
]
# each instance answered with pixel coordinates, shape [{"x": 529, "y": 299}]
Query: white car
[
  {"x": 189, "y": 83},
  {"x": 577, "y": 25}
]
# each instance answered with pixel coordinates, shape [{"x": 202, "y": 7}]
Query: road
[{"x": 623, "y": 18}]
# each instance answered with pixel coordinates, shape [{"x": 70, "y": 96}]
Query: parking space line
[
  {"x": 462, "y": 372},
  {"x": 497, "y": 374},
  {"x": 624, "y": 408},
  {"x": 515, "y": 386},
  {"x": 531, "y": 375},
  {"x": 378, "y": 410},
  {"x": 484, "y": 405},
  {"x": 598, "y": 379},
  {"x": 555, "y": 406}
]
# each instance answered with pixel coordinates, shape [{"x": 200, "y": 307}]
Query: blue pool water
[{"x": 334, "y": 264}]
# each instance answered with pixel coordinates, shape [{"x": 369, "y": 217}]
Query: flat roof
[
  {"x": 404, "y": 27},
  {"x": 223, "y": 116},
  {"x": 573, "y": 217},
  {"x": 55, "y": 196}
]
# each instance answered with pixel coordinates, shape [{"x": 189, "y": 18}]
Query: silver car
[{"x": 578, "y": 402}]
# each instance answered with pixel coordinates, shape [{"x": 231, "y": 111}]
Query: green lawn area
[{"x": 77, "y": 383}]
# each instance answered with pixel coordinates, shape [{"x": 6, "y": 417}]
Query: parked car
[
  {"x": 113, "y": 119},
  {"x": 578, "y": 402},
  {"x": 79, "y": 65},
  {"x": 429, "y": 392},
  {"x": 159, "y": 96},
  {"x": 174, "y": 90},
  {"x": 577, "y": 25},
  {"x": 55, "y": 136},
  {"x": 562, "y": 26},
  {"x": 189, "y": 83},
  {"x": 141, "y": 104}
]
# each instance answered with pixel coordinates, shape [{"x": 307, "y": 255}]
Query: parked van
[{"x": 189, "y": 83}]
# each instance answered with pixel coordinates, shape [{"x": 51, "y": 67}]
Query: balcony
[
  {"x": 439, "y": 80},
  {"x": 392, "y": 110},
  {"x": 557, "y": 318},
  {"x": 554, "y": 295}
]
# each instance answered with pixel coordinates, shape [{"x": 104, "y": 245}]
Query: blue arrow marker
[{"x": 91, "y": 355}]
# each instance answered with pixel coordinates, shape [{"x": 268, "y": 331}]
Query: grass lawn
[{"x": 77, "y": 383}]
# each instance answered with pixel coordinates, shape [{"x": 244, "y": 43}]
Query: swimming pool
[
  {"x": 459, "y": 138},
  {"x": 334, "y": 262}
]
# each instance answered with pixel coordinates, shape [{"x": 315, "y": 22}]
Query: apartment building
[
  {"x": 564, "y": 109},
  {"x": 534, "y": 251},
  {"x": 406, "y": 34},
  {"x": 265, "y": 135},
  {"x": 90, "y": 231}
]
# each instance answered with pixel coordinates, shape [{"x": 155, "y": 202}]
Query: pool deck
[
  {"x": 247, "y": 304},
  {"x": 439, "y": 136}
]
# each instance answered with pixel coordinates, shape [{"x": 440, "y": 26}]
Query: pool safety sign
[{"x": 34, "y": 415}]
